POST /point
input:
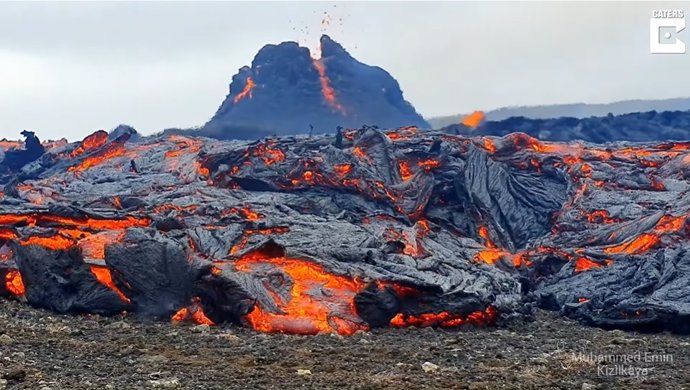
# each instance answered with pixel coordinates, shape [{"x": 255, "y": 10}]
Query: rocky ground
[{"x": 41, "y": 350}]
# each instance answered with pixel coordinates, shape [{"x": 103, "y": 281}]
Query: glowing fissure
[
  {"x": 326, "y": 89},
  {"x": 246, "y": 91}
]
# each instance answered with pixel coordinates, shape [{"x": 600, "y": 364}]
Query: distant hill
[
  {"x": 574, "y": 110},
  {"x": 634, "y": 127}
]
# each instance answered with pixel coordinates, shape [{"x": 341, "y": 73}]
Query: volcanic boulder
[{"x": 286, "y": 91}]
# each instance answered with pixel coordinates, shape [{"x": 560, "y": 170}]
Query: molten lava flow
[
  {"x": 326, "y": 89},
  {"x": 7, "y": 234},
  {"x": 14, "y": 219},
  {"x": 54, "y": 242},
  {"x": 269, "y": 155},
  {"x": 583, "y": 264},
  {"x": 250, "y": 215},
  {"x": 489, "y": 146},
  {"x": 670, "y": 224},
  {"x": 318, "y": 302},
  {"x": 640, "y": 244},
  {"x": 237, "y": 248},
  {"x": 184, "y": 145},
  {"x": 601, "y": 216},
  {"x": 14, "y": 283},
  {"x": 429, "y": 164},
  {"x": 342, "y": 169},
  {"x": 97, "y": 224},
  {"x": 70, "y": 230},
  {"x": 245, "y": 212},
  {"x": 445, "y": 319},
  {"x": 164, "y": 208},
  {"x": 105, "y": 278},
  {"x": 657, "y": 184},
  {"x": 246, "y": 91},
  {"x": 193, "y": 313},
  {"x": 413, "y": 242},
  {"x": 404, "y": 168},
  {"x": 520, "y": 260},
  {"x": 92, "y": 142},
  {"x": 490, "y": 256},
  {"x": 114, "y": 149},
  {"x": 93, "y": 246},
  {"x": 402, "y": 133},
  {"x": 473, "y": 120},
  {"x": 484, "y": 233}
]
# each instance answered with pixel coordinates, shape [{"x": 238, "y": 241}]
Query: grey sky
[{"x": 67, "y": 69}]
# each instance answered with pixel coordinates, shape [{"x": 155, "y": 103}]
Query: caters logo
[{"x": 664, "y": 28}]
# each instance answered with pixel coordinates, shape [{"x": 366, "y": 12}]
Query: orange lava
[
  {"x": 601, "y": 216},
  {"x": 657, "y": 184},
  {"x": 474, "y": 119},
  {"x": 670, "y": 224},
  {"x": 114, "y": 149},
  {"x": 326, "y": 90},
  {"x": 319, "y": 302},
  {"x": 7, "y": 234},
  {"x": 93, "y": 246},
  {"x": 193, "y": 313},
  {"x": 489, "y": 146},
  {"x": 402, "y": 133},
  {"x": 54, "y": 242},
  {"x": 250, "y": 232},
  {"x": 246, "y": 91},
  {"x": 404, "y": 168},
  {"x": 519, "y": 260},
  {"x": 92, "y": 142},
  {"x": 342, "y": 169},
  {"x": 14, "y": 283},
  {"x": 105, "y": 278},
  {"x": 184, "y": 145},
  {"x": 484, "y": 233},
  {"x": 359, "y": 152},
  {"x": 490, "y": 256},
  {"x": 583, "y": 264},
  {"x": 98, "y": 224},
  {"x": 268, "y": 154},
  {"x": 640, "y": 244},
  {"x": 429, "y": 164},
  {"x": 250, "y": 215},
  {"x": 445, "y": 319}
]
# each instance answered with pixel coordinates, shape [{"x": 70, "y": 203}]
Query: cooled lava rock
[
  {"x": 343, "y": 233},
  {"x": 286, "y": 91}
]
